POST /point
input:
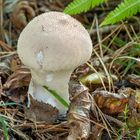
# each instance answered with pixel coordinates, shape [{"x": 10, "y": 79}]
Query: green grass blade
[
  {"x": 138, "y": 134},
  {"x": 57, "y": 96},
  {"x": 6, "y": 104},
  {"x": 4, "y": 127}
]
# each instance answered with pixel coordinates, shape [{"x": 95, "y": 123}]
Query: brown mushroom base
[{"x": 40, "y": 111}]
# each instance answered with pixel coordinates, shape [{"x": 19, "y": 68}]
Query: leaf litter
[{"x": 95, "y": 112}]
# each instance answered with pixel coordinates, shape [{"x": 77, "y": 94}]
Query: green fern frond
[
  {"x": 79, "y": 6},
  {"x": 124, "y": 10}
]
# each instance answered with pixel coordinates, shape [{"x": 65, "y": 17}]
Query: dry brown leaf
[
  {"x": 17, "y": 84},
  {"x": 110, "y": 103},
  {"x": 20, "y": 78},
  {"x": 133, "y": 96},
  {"x": 80, "y": 71},
  {"x": 15, "y": 63},
  {"x": 134, "y": 120},
  {"x": 22, "y": 14},
  {"x": 78, "y": 115},
  {"x": 134, "y": 79},
  {"x": 40, "y": 111},
  {"x": 96, "y": 132}
]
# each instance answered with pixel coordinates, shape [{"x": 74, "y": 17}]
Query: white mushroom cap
[{"x": 53, "y": 42}]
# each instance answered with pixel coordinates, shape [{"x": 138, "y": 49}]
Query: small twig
[
  {"x": 118, "y": 27},
  {"x": 98, "y": 75},
  {"x": 5, "y": 46},
  {"x": 105, "y": 29},
  {"x": 8, "y": 54},
  {"x": 99, "y": 37},
  {"x": 112, "y": 119}
]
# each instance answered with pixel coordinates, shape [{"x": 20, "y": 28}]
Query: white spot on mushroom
[
  {"x": 40, "y": 57},
  {"x": 49, "y": 77}
]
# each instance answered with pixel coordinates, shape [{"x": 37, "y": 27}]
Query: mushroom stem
[{"x": 57, "y": 81}]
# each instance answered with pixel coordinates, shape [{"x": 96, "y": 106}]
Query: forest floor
[{"x": 112, "y": 76}]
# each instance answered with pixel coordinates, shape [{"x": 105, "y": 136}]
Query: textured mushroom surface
[{"x": 54, "y": 41}]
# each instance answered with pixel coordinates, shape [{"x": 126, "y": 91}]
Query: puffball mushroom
[{"x": 52, "y": 45}]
